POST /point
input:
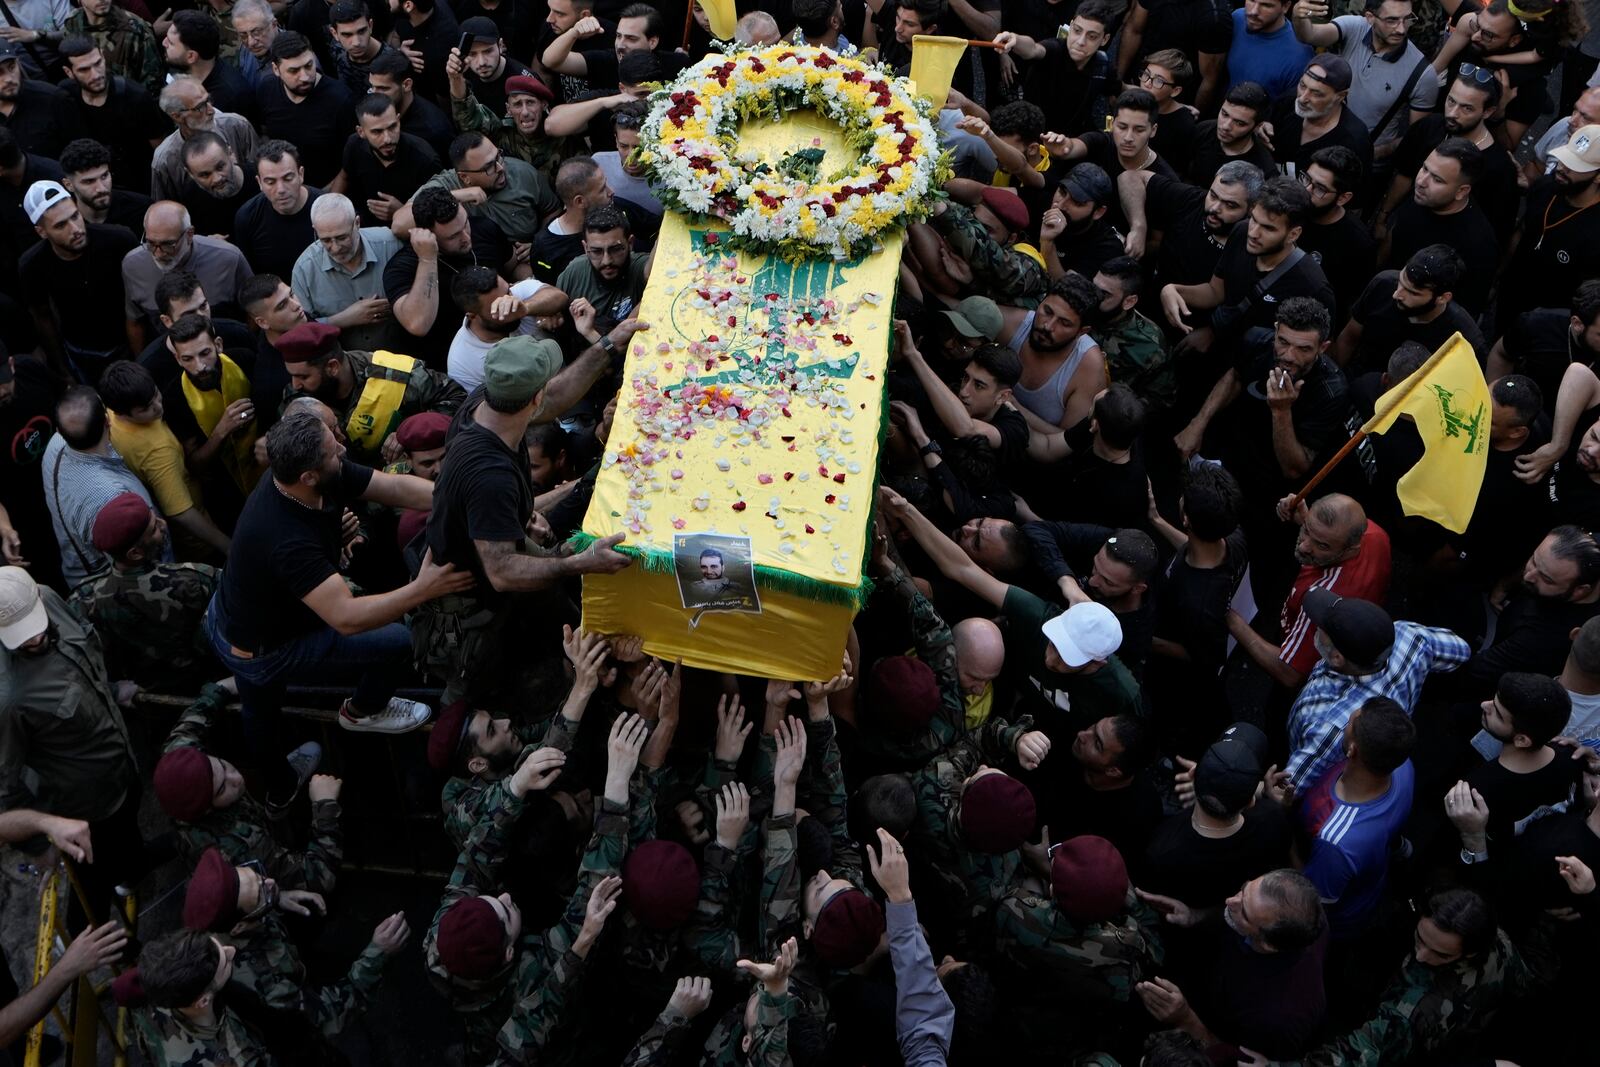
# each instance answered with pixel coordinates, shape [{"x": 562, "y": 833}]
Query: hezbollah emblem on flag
[{"x": 1457, "y": 424}]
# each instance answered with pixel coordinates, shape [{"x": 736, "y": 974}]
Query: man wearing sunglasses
[{"x": 1393, "y": 84}]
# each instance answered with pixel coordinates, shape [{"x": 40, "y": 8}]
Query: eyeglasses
[
  {"x": 1316, "y": 187},
  {"x": 269, "y": 891},
  {"x": 1395, "y": 22},
  {"x": 1155, "y": 81},
  {"x": 488, "y": 168},
  {"x": 337, "y": 237},
  {"x": 164, "y": 246},
  {"x": 203, "y": 105},
  {"x": 1481, "y": 75}
]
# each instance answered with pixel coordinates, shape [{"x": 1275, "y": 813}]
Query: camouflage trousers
[{"x": 461, "y": 641}]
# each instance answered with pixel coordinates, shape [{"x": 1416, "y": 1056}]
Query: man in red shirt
[{"x": 1339, "y": 549}]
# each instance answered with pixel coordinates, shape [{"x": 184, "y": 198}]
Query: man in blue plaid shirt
[{"x": 1365, "y": 654}]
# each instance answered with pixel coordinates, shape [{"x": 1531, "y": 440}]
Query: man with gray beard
[
  {"x": 1316, "y": 117},
  {"x": 221, "y": 183}
]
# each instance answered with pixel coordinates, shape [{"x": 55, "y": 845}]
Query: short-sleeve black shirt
[
  {"x": 1189, "y": 251},
  {"x": 489, "y": 249},
  {"x": 1237, "y": 269},
  {"x": 282, "y": 550},
  {"x": 1206, "y": 156},
  {"x": 1321, "y": 417},
  {"x": 1346, "y": 251},
  {"x": 213, "y": 216},
  {"x": 1293, "y": 157},
  {"x": 484, "y": 493},
  {"x": 126, "y": 123},
  {"x": 1384, "y": 327},
  {"x": 270, "y": 241},
  {"x": 1414, "y": 228},
  {"x": 318, "y": 125},
  {"x": 414, "y": 163}
]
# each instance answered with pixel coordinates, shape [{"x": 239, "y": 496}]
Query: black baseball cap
[
  {"x": 1232, "y": 767},
  {"x": 1359, "y": 629},
  {"x": 482, "y": 29}
]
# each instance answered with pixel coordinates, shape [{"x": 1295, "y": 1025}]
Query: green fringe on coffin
[{"x": 658, "y": 561}]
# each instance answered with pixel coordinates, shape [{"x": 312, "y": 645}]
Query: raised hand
[
  {"x": 691, "y": 997},
  {"x": 541, "y": 767},
  {"x": 733, "y": 815},
  {"x": 391, "y": 935},
  {"x": 775, "y": 975},
  {"x": 731, "y": 729},
  {"x": 791, "y": 757},
  {"x": 889, "y": 867}
]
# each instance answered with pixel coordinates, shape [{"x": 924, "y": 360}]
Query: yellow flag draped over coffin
[
  {"x": 751, "y": 407},
  {"x": 933, "y": 65},
  {"x": 722, "y": 17},
  {"x": 1449, "y": 401}
]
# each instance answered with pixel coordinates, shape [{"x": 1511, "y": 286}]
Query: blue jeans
[{"x": 373, "y": 659}]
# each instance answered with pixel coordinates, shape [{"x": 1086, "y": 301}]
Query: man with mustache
[
  {"x": 212, "y": 408},
  {"x": 1559, "y": 244},
  {"x": 115, "y": 111},
  {"x": 384, "y": 165},
  {"x": 186, "y": 102},
  {"x": 86, "y": 173},
  {"x": 222, "y": 184},
  {"x": 170, "y": 243},
  {"x": 319, "y": 366}
]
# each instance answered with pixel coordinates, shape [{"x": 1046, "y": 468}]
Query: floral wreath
[{"x": 689, "y": 145}]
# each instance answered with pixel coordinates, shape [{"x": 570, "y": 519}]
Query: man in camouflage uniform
[
  {"x": 221, "y": 11},
  {"x": 1083, "y": 936},
  {"x": 206, "y": 799},
  {"x": 982, "y": 226},
  {"x": 371, "y": 393},
  {"x": 1135, "y": 348},
  {"x": 479, "y": 749},
  {"x": 188, "y": 1021},
  {"x": 148, "y": 613},
  {"x": 520, "y": 133},
  {"x": 510, "y": 995},
  {"x": 1434, "y": 1010},
  {"x": 659, "y": 1045},
  {"x": 245, "y": 910},
  {"x": 972, "y": 819},
  {"x": 126, "y": 41}
]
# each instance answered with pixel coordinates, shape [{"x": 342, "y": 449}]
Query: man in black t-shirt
[
  {"x": 1317, "y": 107},
  {"x": 420, "y": 117},
  {"x": 1468, "y": 106},
  {"x": 1125, "y": 147},
  {"x": 1413, "y": 304},
  {"x": 86, "y": 172},
  {"x": 980, "y": 406},
  {"x": 1338, "y": 240},
  {"x": 383, "y": 165},
  {"x": 221, "y": 186},
  {"x": 116, "y": 112},
  {"x": 443, "y": 241},
  {"x": 1232, "y": 135},
  {"x": 1559, "y": 246},
  {"x": 1441, "y": 211},
  {"x": 1068, "y": 78},
  {"x": 72, "y": 280},
  {"x": 273, "y": 227},
  {"x": 282, "y": 612},
  {"x": 484, "y": 504},
  {"x": 301, "y": 106},
  {"x": 1075, "y": 233},
  {"x": 1194, "y": 223},
  {"x": 486, "y": 66}
]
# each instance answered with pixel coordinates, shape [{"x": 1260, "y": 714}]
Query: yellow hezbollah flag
[
  {"x": 933, "y": 63},
  {"x": 722, "y": 17},
  {"x": 1448, "y": 400}
]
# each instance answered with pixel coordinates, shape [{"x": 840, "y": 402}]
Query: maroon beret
[
  {"x": 997, "y": 813},
  {"x": 847, "y": 929},
  {"x": 307, "y": 341},
  {"x": 127, "y": 989},
  {"x": 472, "y": 939},
  {"x": 1008, "y": 207},
  {"x": 1089, "y": 878},
  {"x": 120, "y": 523},
  {"x": 212, "y": 902},
  {"x": 446, "y": 735},
  {"x": 527, "y": 83},
  {"x": 423, "y": 431},
  {"x": 903, "y": 694},
  {"x": 660, "y": 884},
  {"x": 183, "y": 782}
]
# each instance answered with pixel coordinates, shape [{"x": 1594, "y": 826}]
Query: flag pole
[
  {"x": 1327, "y": 468},
  {"x": 688, "y": 25}
]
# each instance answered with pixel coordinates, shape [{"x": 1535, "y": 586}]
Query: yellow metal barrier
[{"x": 81, "y": 1021}]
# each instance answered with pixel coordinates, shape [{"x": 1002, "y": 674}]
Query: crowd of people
[{"x": 314, "y": 317}]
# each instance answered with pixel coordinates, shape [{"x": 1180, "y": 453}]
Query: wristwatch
[
  {"x": 932, "y": 447},
  {"x": 607, "y": 345},
  {"x": 1470, "y": 857}
]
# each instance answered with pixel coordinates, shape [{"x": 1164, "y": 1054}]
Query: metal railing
[{"x": 79, "y": 1014}]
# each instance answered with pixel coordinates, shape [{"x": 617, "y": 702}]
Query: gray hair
[
  {"x": 755, "y": 24},
  {"x": 254, "y": 7},
  {"x": 170, "y": 99},
  {"x": 335, "y": 207},
  {"x": 1238, "y": 172},
  {"x": 294, "y": 446}
]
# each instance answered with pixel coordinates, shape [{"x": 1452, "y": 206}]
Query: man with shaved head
[
  {"x": 1338, "y": 549},
  {"x": 170, "y": 244},
  {"x": 980, "y": 656}
]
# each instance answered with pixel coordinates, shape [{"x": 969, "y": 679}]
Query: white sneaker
[{"x": 398, "y": 717}]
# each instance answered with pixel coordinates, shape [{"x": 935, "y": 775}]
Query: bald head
[
  {"x": 980, "y": 653},
  {"x": 1332, "y": 531},
  {"x": 324, "y": 414},
  {"x": 1342, "y": 515}
]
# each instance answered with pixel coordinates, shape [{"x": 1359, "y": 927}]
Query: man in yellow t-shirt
[{"x": 154, "y": 454}]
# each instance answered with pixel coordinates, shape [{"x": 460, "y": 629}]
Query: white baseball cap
[
  {"x": 41, "y": 197},
  {"x": 22, "y": 614},
  {"x": 1084, "y": 633}
]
